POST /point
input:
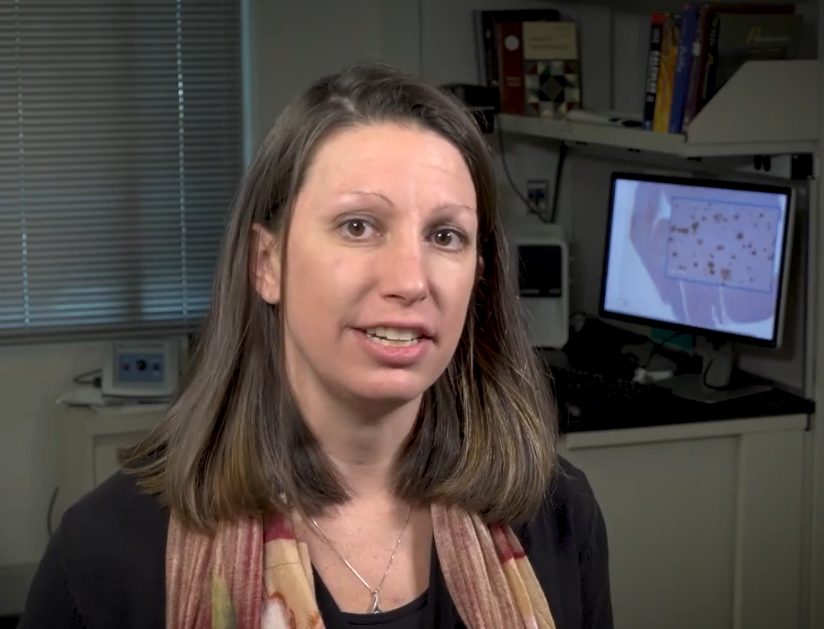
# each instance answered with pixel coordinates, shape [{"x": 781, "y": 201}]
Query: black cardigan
[{"x": 104, "y": 567}]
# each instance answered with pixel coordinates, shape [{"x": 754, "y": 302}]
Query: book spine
[
  {"x": 511, "y": 51},
  {"x": 490, "y": 19},
  {"x": 683, "y": 68},
  {"x": 696, "y": 97},
  {"x": 653, "y": 66},
  {"x": 666, "y": 73},
  {"x": 698, "y": 49},
  {"x": 710, "y": 63},
  {"x": 490, "y": 53}
]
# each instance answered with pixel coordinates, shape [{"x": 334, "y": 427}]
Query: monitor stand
[{"x": 719, "y": 380}]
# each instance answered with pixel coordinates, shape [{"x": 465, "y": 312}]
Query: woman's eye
[
  {"x": 447, "y": 238},
  {"x": 355, "y": 228}
]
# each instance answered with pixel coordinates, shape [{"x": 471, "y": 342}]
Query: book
[
  {"x": 509, "y": 42},
  {"x": 486, "y": 23},
  {"x": 666, "y": 72},
  {"x": 551, "y": 68},
  {"x": 690, "y": 103},
  {"x": 683, "y": 67},
  {"x": 701, "y": 44},
  {"x": 741, "y": 37},
  {"x": 653, "y": 65}
]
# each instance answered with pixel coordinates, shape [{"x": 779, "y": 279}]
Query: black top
[{"x": 104, "y": 567}]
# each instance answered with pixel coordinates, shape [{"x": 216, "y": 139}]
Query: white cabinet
[
  {"x": 705, "y": 522},
  {"x": 88, "y": 442}
]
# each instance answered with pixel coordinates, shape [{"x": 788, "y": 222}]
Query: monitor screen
[{"x": 698, "y": 256}]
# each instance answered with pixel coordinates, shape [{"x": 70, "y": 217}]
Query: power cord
[
  {"x": 93, "y": 377},
  {"x": 559, "y": 171},
  {"x": 50, "y": 511},
  {"x": 656, "y": 346},
  {"x": 728, "y": 387},
  {"x": 553, "y": 210},
  {"x": 531, "y": 208}
]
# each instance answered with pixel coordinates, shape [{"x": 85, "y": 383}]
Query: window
[{"x": 120, "y": 151}]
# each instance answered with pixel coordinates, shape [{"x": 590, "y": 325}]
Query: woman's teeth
[{"x": 393, "y": 336}]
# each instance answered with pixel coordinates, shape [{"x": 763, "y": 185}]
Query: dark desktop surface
[
  {"x": 582, "y": 412},
  {"x": 594, "y": 389}
]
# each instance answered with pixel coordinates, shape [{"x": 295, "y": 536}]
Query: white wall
[
  {"x": 31, "y": 380},
  {"x": 293, "y": 43}
]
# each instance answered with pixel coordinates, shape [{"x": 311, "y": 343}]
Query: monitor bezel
[{"x": 727, "y": 184}]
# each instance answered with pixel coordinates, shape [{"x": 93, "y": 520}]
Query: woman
[{"x": 364, "y": 436}]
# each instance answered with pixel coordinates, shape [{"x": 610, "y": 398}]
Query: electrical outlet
[{"x": 537, "y": 193}]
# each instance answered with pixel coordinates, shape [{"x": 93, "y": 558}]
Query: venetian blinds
[{"x": 120, "y": 152}]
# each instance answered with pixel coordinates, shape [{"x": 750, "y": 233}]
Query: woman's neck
[{"x": 362, "y": 445}]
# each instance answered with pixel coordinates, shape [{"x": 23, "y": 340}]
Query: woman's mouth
[{"x": 394, "y": 337}]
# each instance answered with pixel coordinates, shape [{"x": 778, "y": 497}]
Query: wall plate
[{"x": 141, "y": 369}]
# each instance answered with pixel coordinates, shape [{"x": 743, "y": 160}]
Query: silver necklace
[{"x": 375, "y": 607}]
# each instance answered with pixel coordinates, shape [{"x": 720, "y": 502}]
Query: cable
[
  {"x": 657, "y": 346},
  {"x": 94, "y": 374},
  {"x": 728, "y": 387},
  {"x": 50, "y": 511},
  {"x": 704, "y": 376},
  {"x": 530, "y": 208},
  {"x": 559, "y": 171}
]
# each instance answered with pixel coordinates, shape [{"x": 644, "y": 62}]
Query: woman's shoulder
[
  {"x": 108, "y": 559},
  {"x": 566, "y": 543},
  {"x": 116, "y": 511},
  {"x": 117, "y": 526},
  {"x": 569, "y": 501},
  {"x": 568, "y": 518},
  {"x": 571, "y": 498}
]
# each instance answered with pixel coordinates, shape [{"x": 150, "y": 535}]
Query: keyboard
[{"x": 584, "y": 388}]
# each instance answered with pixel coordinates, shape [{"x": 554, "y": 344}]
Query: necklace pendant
[{"x": 376, "y": 607}]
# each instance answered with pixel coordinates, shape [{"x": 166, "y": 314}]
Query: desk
[{"x": 672, "y": 410}]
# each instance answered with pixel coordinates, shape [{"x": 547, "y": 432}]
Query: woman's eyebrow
[
  {"x": 372, "y": 193},
  {"x": 388, "y": 201}
]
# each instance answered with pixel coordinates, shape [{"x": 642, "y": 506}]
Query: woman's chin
[{"x": 391, "y": 392}]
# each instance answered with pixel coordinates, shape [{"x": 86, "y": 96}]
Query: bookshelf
[{"x": 766, "y": 108}]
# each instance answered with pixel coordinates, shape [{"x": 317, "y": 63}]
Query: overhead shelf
[{"x": 766, "y": 108}]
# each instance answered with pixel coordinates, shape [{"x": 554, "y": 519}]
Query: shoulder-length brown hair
[{"x": 233, "y": 443}]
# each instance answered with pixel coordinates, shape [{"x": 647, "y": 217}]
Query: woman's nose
[{"x": 403, "y": 270}]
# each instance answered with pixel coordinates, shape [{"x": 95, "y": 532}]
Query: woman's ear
[
  {"x": 479, "y": 269},
  {"x": 264, "y": 263}
]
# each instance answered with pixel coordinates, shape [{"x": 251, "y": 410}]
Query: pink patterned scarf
[{"x": 256, "y": 575}]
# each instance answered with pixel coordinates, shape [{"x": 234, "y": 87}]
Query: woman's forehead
[{"x": 387, "y": 160}]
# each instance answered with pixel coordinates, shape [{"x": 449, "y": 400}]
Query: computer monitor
[{"x": 704, "y": 257}]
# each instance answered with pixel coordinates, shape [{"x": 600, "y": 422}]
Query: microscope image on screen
[
  {"x": 700, "y": 256},
  {"x": 722, "y": 244}
]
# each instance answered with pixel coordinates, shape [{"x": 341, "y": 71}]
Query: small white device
[
  {"x": 541, "y": 258},
  {"x": 141, "y": 369}
]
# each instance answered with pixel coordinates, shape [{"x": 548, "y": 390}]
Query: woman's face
[{"x": 381, "y": 263}]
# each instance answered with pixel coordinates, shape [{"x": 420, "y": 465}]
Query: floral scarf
[{"x": 256, "y": 574}]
